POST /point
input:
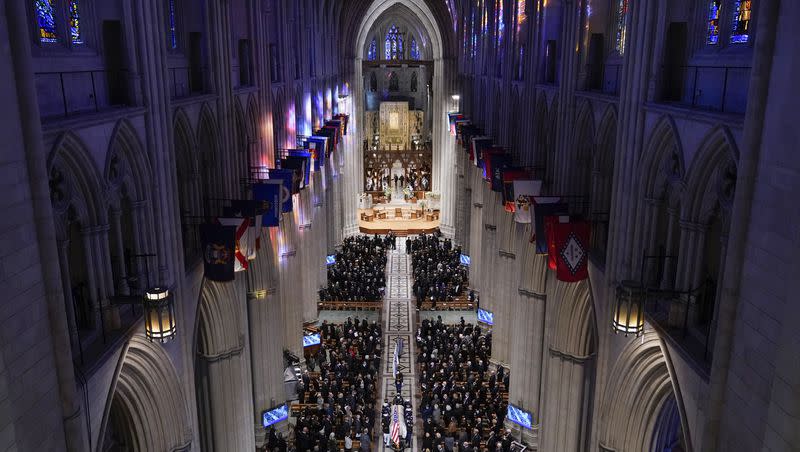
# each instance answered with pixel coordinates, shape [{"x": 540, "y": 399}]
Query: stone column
[
  {"x": 17, "y": 57},
  {"x": 566, "y": 403},
  {"x": 228, "y": 398},
  {"x": 265, "y": 327},
  {"x": 121, "y": 282},
  {"x": 63, "y": 260}
]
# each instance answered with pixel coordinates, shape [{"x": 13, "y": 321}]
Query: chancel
[{"x": 424, "y": 225}]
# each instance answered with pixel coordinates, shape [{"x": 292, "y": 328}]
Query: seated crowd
[
  {"x": 438, "y": 275},
  {"x": 359, "y": 271},
  {"x": 463, "y": 404},
  {"x": 338, "y": 402}
]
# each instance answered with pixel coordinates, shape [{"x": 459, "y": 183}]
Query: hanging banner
[
  {"x": 286, "y": 176},
  {"x": 508, "y": 176},
  {"x": 543, "y": 207},
  {"x": 524, "y": 190},
  {"x": 298, "y": 167},
  {"x": 243, "y": 242},
  {"x": 569, "y": 249},
  {"x": 305, "y": 155},
  {"x": 219, "y": 249},
  {"x": 478, "y": 145},
  {"x": 317, "y": 145},
  {"x": 268, "y": 194}
]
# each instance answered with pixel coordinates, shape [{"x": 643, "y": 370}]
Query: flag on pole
[
  {"x": 570, "y": 243},
  {"x": 268, "y": 194},
  {"x": 243, "y": 242},
  {"x": 543, "y": 207},
  {"x": 219, "y": 251},
  {"x": 522, "y": 193}
]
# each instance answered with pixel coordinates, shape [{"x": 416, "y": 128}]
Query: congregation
[
  {"x": 464, "y": 400},
  {"x": 438, "y": 275},
  {"x": 358, "y": 271},
  {"x": 338, "y": 402}
]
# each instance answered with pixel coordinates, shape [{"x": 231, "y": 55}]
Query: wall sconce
[
  {"x": 159, "y": 315},
  {"x": 628, "y": 315}
]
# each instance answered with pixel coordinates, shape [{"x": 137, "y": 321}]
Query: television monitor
[
  {"x": 485, "y": 316},
  {"x": 330, "y": 259},
  {"x": 311, "y": 340},
  {"x": 275, "y": 415},
  {"x": 465, "y": 260},
  {"x": 519, "y": 416}
]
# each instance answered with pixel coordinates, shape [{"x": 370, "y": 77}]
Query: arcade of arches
[{"x": 455, "y": 225}]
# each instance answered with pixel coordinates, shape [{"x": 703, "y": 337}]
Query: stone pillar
[
  {"x": 228, "y": 400},
  {"x": 25, "y": 113},
  {"x": 121, "y": 282},
  {"x": 63, "y": 260},
  {"x": 566, "y": 403},
  {"x": 265, "y": 326}
]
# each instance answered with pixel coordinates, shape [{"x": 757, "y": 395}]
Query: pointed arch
[
  {"x": 75, "y": 181},
  {"x": 125, "y": 145},
  {"x": 575, "y": 326},
  {"x": 640, "y": 384},
  {"x": 540, "y": 131},
  {"x": 662, "y": 162},
  {"x": 712, "y": 176},
  {"x": 580, "y": 173},
  {"x": 146, "y": 400}
]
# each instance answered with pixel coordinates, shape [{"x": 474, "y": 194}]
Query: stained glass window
[
  {"x": 622, "y": 25},
  {"x": 46, "y": 19},
  {"x": 372, "y": 52},
  {"x": 474, "y": 29},
  {"x": 414, "y": 49},
  {"x": 393, "y": 47},
  {"x": 712, "y": 35},
  {"x": 740, "y": 32},
  {"x": 75, "y": 23},
  {"x": 521, "y": 16},
  {"x": 499, "y": 22},
  {"x": 173, "y": 35}
]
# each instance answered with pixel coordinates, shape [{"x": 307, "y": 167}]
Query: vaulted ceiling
[{"x": 350, "y": 14}]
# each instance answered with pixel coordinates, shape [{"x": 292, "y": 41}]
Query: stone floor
[{"x": 398, "y": 323}]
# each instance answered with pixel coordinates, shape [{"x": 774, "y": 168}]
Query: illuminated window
[
  {"x": 740, "y": 32},
  {"x": 713, "y": 21},
  {"x": 414, "y": 49},
  {"x": 75, "y": 23},
  {"x": 393, "y": 46},
  {"x": 173, "y": 36},
  {"x": 622, "y": 25},
  {"x": 46, "y": 19},
  {"x": 521, "y": 17},
  {"x": 499, "y": 23},
  {"x": 372, "y": 53},
  {"x": 474, "y": 30}
]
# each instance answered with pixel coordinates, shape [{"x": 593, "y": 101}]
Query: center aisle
[{"x": 398, "y": 324}]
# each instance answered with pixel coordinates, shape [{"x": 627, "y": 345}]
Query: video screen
[
  {"x": 485, "y": 316},
  {"x": 311, "y": 340},
  {"x": 519, "y": 417},
  {"x": 465, "y": 260},
  {"x": 275, "y": 415},
  {"x": 330, "y": 259}
]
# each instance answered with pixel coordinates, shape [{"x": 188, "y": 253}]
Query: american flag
[{"x": 395, "y": 432}]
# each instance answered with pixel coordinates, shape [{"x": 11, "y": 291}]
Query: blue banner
[{"x": 268, "y": 194}]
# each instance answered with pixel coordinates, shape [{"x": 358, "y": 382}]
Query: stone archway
[
  {"x": 444, "y": 155},
  {"x": 146, "y": 409},
  {"x": 634, "y": 413}
]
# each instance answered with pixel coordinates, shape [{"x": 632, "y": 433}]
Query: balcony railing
[
  {"x": 721, "y": 89},
  {"x": 604, "y": 79},
  {"x": 187, "y": 81},
  {"x": 63, "y": 94},
  {"x": 96, "y": 341},
  {"x": 685, "y": 317}
]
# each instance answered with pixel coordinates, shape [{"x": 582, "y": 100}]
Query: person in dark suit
[{"x": 408, "y": 245}]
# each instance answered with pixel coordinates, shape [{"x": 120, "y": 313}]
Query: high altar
[{"x": 397, "y": 158}]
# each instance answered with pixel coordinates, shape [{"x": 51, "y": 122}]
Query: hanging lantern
[
  {"x": 628, "y": 315},
  {"x": 159, "y": 315}
]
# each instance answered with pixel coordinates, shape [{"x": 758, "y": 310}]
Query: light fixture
[
  {"x": 456, "y": 97},
  {"x": 159, "y": 315},
  {"x": 628, "y": 315}
]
